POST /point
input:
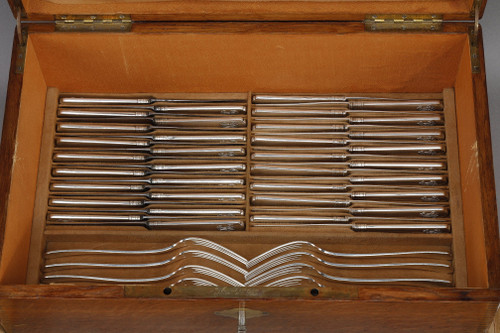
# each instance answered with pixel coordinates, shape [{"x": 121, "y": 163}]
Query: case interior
[{"x": 239, "y": 62}]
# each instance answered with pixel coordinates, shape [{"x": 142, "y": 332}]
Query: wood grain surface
[
  {"x": 485, "y": 154},
  {"x": 8, "y": 143}
]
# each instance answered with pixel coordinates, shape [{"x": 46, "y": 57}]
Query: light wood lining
[
  {"x": 469, "y": 170},
  {"x": 278, "y": 62},
  {"x": 24, "y": 173},
  {"x": 459, "y": 257},
  {"x": 40, "y": 211}
]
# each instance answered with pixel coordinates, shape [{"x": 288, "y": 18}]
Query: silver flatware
[
  {"x": 189, "y": 241},
  {"x": 146, "y": 170},
  {"x": 160, "y": 123},
  {"x": 339, "y": 169},
  {"x": 100, "y": 185},
  {"x": 158, "y": 212},
  {"x": 306, "y": 245},
  {"x": 196, "y": 269},
  {"x": 308, "y": 256},
  {"x": 342, "y": 139},
  {"x": 156, "y": 198},
  {"x": 326, "y": 198},
  {"x": 297, "y": 268},
  {"x": 308, "y": 110},
  {"x": 147, "y": 141},
  {"x": 341, "y": 124},
  {"x": 174, "y": 224},
  {"x": 347, "y": 207},
  {"x": 352, "y": 102},
  {"x": 63, "y": 156},
  {"x": 183, "y": 255},
  {"x": 141, "y": 100}
]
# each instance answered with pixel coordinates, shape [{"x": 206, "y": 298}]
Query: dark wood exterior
[
  {"x": 99, "y": 309},
  {"x": 7, "y": 145},
  {"x": 247, "y": 11},
  {"x": 486, "y": 170}
]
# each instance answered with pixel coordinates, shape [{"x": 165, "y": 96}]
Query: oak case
[{"x": 314, "y": 51}]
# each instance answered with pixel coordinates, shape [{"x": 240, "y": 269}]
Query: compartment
[{"x": 314, "y": 59}]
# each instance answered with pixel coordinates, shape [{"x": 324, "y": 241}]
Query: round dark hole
[
  {"x": 167, "y": 291},
  {"x": 314, "y": 292}
]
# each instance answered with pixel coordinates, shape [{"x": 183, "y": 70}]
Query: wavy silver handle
[
  {"x": 268, "y": 98},
  {"x": 277, "y": 156},
  {"x": 216, "y": 182},
  {"x": 403, "y": 179},
  {"x": 100, "y": 100},
  {"x": 226, "y": 167},
  {"x": 403, "y": 227},
  {"x": 96, "y": 141},
  {"x": 403, "y": 105},
  {"x": 302, "y": 141},
  {"x": 91, "y": 127},
  {"x": 99, "y": 157},
  {"x": 198, "y": 211},
  {"x": 226, "y": 109},
  {"x": 99, "y": 113},
  {"x": 300, "y": 127},
  {"x": 422, "y": 135},
  {"x": 298, "y": 201},
  {"x": 397, "y": 165},
  {"x": 297, "y": 187},
  {"x": 97, "y": 172},
  {"x": 282, "y": 170},
  {"x": 197, "y": 151},
  {"x": 69, "y": 217},
  {"x": 91, "y": 187},
  {"x": 298, "y": 112},
  {"x": 418, "y": 211}
]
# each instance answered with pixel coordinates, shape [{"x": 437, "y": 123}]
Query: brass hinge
[
  {"x": 84, "y": 23},
  {"x": 403, "y": 22}
]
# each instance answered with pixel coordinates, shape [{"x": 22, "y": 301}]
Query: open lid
[{"x": 246, "y": 10}]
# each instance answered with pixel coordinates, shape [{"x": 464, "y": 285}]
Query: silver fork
[
  {"x": 296, "y": 268},
  {"x": 298, "y": 244},
  {"x": 183, "y": 242},
  {"x": 179, "y": 256},
  {"x": 293, "y": 256},
  {"x": 197, "y": 269}
]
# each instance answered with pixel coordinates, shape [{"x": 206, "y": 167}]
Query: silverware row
[
  {"x": 196, "y": 260},
  {"x": 284, "y": 184},
  {"x": 341, "y": 101}
]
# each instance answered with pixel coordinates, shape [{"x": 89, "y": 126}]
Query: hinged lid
[{"x": 245, "y": 10}]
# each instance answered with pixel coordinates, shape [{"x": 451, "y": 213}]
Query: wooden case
[{"x": 240, "y": 46}]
